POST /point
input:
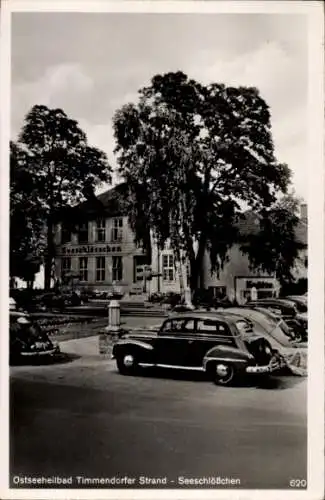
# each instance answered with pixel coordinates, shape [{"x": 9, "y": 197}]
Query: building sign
[
  {"x": 90, "y": 249},
  {"x": 260, "y": 284},
  {"x": 252, "y": 288}
]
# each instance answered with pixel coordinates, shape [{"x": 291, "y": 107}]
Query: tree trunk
[
  {"x": 12, "y": 282},
  {"x": 181, "y": 281},
  {"x": 197, "y": 271},
  {"x": 193, "y": 276},
  {"x": 30, "y": 284},
  {"x": 200, "y": 261},
  {"x": 49, "y": 256}
]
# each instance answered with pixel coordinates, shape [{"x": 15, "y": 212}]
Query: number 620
[{"x": 298, "y": 483}]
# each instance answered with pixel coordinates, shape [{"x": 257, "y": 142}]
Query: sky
[{"x": 90, "y": 64}]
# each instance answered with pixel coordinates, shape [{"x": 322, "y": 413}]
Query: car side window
[
  {"x": 178, "y": 325},
  {"x": 189, "y": 326},
  {"x": 213, "y": 327}
]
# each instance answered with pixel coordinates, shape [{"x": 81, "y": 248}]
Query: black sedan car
[
  {"x": 27, "y": 341},
  {"x": 224, "y": 346},
  {"x": 300, "y": 301}
]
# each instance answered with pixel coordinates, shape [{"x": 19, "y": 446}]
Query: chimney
[{"x": 303, "y": 212}]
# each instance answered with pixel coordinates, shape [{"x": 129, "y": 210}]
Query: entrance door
[
  {"x": 174, "y": 342},
  {"x": 209, "y": 333}
]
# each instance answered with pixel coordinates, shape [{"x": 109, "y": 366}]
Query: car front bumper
[
  {"x": 273, "y": 366},
  {"x": 35, "y": 354}
]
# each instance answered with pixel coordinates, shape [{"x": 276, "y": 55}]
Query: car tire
[
  {"x": 223, "y": 373},
  {"x": 127, "y": 363}
]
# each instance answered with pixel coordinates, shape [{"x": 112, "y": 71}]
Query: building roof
[
  {"x": 113, "y": 202},
  {"x": 249, "y": 224}
]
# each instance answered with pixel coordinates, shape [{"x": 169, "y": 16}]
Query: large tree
[
  {"x": 64, "y": 168},
  {"x": 26, "y": 222},
  {"x": 195, "y": 157}
]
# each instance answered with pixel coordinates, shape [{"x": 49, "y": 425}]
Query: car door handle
[{"x": 190, "y": 341}]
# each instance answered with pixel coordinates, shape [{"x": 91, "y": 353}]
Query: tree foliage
[
  {"x": 26, "y": 224},
  {"x": 194, "y": 156},
  {"x": 275, "y": 247},
  {"x": 63, "y": 167}
]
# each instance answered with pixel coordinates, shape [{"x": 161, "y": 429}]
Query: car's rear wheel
[
  {"x": 127, "y": 363},
  {"x": 223, "y": 373}
]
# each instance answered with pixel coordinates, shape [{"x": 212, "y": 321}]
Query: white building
[{"x": 102, "y": 254}]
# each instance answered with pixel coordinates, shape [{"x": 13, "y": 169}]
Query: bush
[
  {"x": 156, "y": 297},
  {"x": 172, "y": 299}
]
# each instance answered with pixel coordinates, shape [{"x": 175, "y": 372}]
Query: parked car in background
[
  {"x": 27, "y": 340},
  {"x": 279, "y": 335},
  {"x": 282, "y": 307},
  {"x": 265, "y": 322},
  {"x": 287, "y": 309},
  {"x": 182, "y": 308},
  {"x": 223, "y": 345},
  {"x": 300, "y": 301},
  {"x": 12, "y": 304}
]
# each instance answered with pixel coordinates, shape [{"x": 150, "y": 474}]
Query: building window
[
  {"x": 83, "y": 268},
  {"x": 65, "y": 265},
  {"x": 117, "y": 269},
  {"x": 168, "y": 269},
  {"x": 65, "y": 234},
  {"x": 100, "y": 268},
  {"x": 117, "y": 229},
  {"x": 100, "y": 230},
  {"x": 83, "y": 233}
]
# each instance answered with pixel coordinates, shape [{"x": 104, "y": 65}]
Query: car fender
[
  {"x": 144, "y": 349},
  {"x": 229, "y": 354}
]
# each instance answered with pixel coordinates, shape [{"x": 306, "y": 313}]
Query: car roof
[
  {"x": 18, "y": 313},
  {"x": 300, "y": 298},
  {"x": 284, "y": 302},
  {"x": 207, "y": 315}
]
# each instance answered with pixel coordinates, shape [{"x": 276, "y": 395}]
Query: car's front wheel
[
  {"x": 222, "y": 373},
  {"x": 127, "y": 363}
]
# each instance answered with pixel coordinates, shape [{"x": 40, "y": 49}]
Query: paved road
[{"x": 82, "y": 418}]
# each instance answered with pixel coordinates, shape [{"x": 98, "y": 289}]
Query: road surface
[{"x": 83, "y": 419}]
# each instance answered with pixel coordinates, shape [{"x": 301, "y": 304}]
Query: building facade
[{"x": 101, "y": 254}]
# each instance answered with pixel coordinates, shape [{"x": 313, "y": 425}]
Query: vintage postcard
[{"x": 162, "y": 249}]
